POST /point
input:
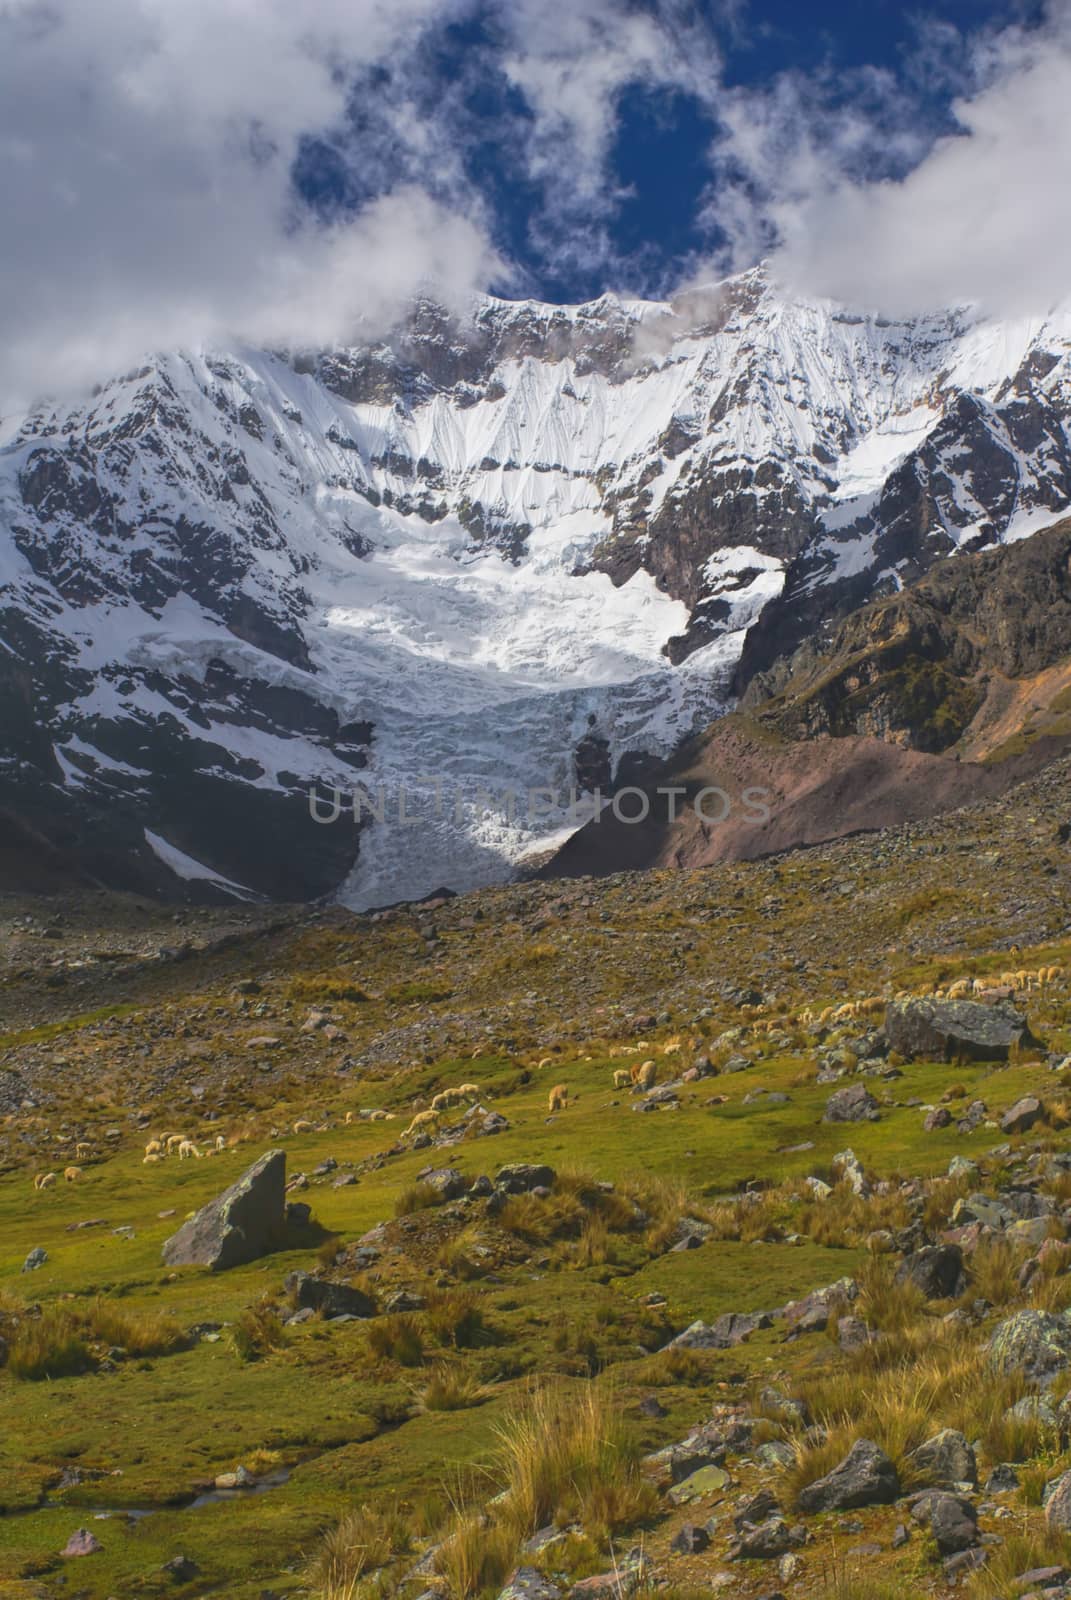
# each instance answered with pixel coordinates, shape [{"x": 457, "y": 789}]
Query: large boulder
[
  {"x": 949, "y": 1030},
  {"x": 246, "y": 1221},
  {"x": 936, "y": 1271},
  {"x": 1037, "y": 1343},
  {"x": 853, "y": 1104},
  {"x": 866, "y": 1477}
]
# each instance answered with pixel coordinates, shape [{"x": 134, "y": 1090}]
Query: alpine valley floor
[{"x": 505, "y": 1415}]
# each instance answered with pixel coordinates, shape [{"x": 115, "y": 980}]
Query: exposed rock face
[
  {"x": 886, "y": 721},
  {"x": 866, "y": 1477},
  {"x": 521, "y": 1176},
  {"x": 946, "y": 1030},
  {"x": 247, "y": 1221}
]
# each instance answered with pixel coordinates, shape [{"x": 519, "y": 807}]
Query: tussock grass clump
[
  {"x": 565, "y": 1455},
  {"x": 455, "y": 1318},
  {"x": 457, "y": 1256},
  {"x": 366, "y": 1540},
  {"x": 139, "y": 1333},
  {"x": 674, "y": 1366},
  {"x": 257, "y": 1332},
  {"x": 417, "y": 1197},
  {"x": 52, "y": 1345},
  {"x": 397, "y": 1338},
  {"x": 452, "y": 1389},
  {"x": 1019, "y": 1553},
  {"x": 904, "y": 1388},
  {"x": 995, "y": 1267},
  {"x": 890, "y": 1306},
  {"x": 477, "y": 1555}
]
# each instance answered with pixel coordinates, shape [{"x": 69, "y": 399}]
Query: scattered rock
[
  {"x": 865, "y": 1477},
  {"x": 81, "y": 1543},
  {"x": 730, "y": 1329},
  {"x": 529, "y": 1584},
  {"x": 522, "y": 1176},
  {"x": 1037, "y": 1343},
  {"x": 1058, "y": 1503},
  {"x": 951, "y": 1518},
  {"x": 768, "y": 1540},
  {"x": 330, "y": 1299},
  {"x": 945, "y": 1460},
  {"x": 852, "y": 1104},
  {"x": 1023, "y": 1115},
  {"x": 36, "y": 1258},
  {"x": 690, "y": 1540},
  {"x": 936, "y": 1271}
]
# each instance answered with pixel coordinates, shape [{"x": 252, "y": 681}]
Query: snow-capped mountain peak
[{"x": 499, "y": 554}]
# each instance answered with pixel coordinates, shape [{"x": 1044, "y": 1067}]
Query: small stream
[{"x": 208, "y": 1497}]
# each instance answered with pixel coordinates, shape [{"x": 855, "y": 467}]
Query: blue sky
[
  {"x": 658, "y": 207},
  {"x": 292, "y": 175}
]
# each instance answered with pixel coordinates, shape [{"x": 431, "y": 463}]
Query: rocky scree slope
[{"x": 948, "y": 692}]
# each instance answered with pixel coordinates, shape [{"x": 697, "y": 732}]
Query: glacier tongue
[{"x": 483, "y": 559}]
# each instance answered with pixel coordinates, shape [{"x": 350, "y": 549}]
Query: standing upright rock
[{"x": 245, "y": 1222}]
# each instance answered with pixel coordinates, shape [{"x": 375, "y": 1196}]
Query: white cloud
[
  {"x": 146, "y": 148},
  {"x": 984, "y": 218}
]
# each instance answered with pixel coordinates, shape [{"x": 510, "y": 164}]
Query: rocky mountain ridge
[{"x": 512, "y": 550}]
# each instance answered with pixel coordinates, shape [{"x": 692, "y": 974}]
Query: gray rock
[
  {"x": 755, "y": 1508},
  {"x": 935, "y": 1270},
  {"x": 1003, "y": 1479},
  {"x": 448, "y": 1182},
  {"x": 768, "y": 1540},
  {"x": 1022, "y": 1115},
  {"x": 866, "y": 1477},
  {"x": 1037, "y": 1343},
  {"x": 852, "y": 1104},
  {"x": 730, "y": 1329},
  {"x": 944, "y": 1460},
  {"x": 951, "y": 1518},
  {"x": 522, "y": 1176},
  {"x": 36, "y": 1258},
  {"x": 81, "y": 1543},
  {"x": 811, "y": 1314},
  {"x": 245, "y": 1222},
  {"x": 529, "y": 1584},
  {"x": 1058, "y": 1503},
  {"x": 330, "y": 1299},
  {"x": 689, "y": 1540},
  {"x": 946, "y": 1030}
]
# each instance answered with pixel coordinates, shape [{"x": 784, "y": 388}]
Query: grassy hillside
[{"x": 508, "y": 1377}]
